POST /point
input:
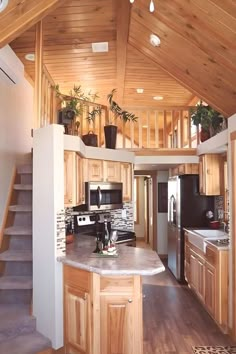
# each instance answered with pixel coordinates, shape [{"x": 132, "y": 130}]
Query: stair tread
[
  {"x": 15, "y": 282},
  {"x": 16, "y": 255},
  {"x": 25, "y": 344},
  {"x": 22, "y": 186},
  {"x": 20, "y": 208},
  {"x": 18, "y": 230}
]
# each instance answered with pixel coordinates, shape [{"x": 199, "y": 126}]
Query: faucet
[{"x": 225, "y": 226}]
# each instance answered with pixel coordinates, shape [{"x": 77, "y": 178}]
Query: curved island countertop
[{"x": 130, "y": 260}]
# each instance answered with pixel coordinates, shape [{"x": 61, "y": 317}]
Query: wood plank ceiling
[{"x": 197, "y": 55}]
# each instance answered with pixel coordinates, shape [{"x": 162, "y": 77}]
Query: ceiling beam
[
  {"x": 22, "y": 15},
  {"x": 122, "y": 28}
]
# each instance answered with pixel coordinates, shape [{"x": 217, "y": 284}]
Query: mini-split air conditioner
[{"x": 11, "y": 67}]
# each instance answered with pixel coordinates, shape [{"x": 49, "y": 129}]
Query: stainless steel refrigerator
[{"x": 186, "y": 208}]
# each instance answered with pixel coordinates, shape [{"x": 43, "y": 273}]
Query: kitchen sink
[
  {"x": 198, "y": 237},
  {"x": 210, "y": 233}
]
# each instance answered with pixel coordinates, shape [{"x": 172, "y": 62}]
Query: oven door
[{"x": 103, "y": 196}]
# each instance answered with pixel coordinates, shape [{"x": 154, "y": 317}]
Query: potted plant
[
  {"x": 110, "y": 130},
  {"x": 91, "y": 139},
  {"x": 210, "y": 120}
]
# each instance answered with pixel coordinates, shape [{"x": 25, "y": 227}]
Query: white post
[{"x": 48, "y": 199}]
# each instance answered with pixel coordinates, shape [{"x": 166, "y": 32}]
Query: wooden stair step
[
  {"x": 20, "y": 208},
  {"x": 16, "y": 282},
  {"x": 23, "y": 187},
  {"x": 18, "y": 230},
  {"x": 16, "y": 256}
]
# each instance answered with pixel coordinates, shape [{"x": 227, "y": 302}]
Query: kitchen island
[{"x": 103, "y": 298}]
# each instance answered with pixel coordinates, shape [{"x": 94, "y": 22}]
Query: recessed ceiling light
[
  {"x": 30, "y": 57},
  {"x": 155, "y": 40},
  {"x": 100, "y": 47},
  {"x": 139, "y": 90},
  {"x": 3, "y": 4},
  {"x": 158, "y": 98},
  {"x": 145, "y": 126}
]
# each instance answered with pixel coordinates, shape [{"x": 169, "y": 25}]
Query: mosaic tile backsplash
[{"x": 117, "y": 220}]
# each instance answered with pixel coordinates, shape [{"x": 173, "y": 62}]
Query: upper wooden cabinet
[
  {"x": 112, "y": 171},
  {"x": 185, "y": 169},
  {"x": 80, "y": 171},
  {"x": 210, "y": 172},
  {"x": 69, "y": 178},
  {"x": 127, "y": 180}
]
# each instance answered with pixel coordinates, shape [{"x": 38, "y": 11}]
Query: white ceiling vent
[{"x": 100, "y": 47}]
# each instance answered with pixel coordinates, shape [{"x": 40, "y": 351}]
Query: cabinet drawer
[
  {"x": 210, "y": 256},
  {"x": 118, "y": 284},
  {"x": 77, "y": 277}
]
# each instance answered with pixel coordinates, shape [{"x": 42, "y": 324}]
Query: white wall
[
  {"x": 16, "y": 120},
  {"x": 162, "y": 176},
  {"x": 139, "y": 227}
]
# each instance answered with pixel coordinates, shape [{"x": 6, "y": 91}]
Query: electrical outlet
[{"x": 123, "y": 213}]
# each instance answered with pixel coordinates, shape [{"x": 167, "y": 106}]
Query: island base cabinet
[
  {"x": 77, "y": 321},
  {"x": 103, "y": 314},
  {"x": 210, "y": 291}
]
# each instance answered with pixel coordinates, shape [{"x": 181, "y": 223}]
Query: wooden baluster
[
  {"x": 165, "y": 133},
  {"x": 172, "y": 129},
  {"x": 100, "y": 129},
  {"x": 181, "y": 128},
  {"x": 42, "y": 109},
  {"x": 132, "y": 134},
  {"x": 123, "y": 132},
  {"x": 156, "y": 130},
  {"x": 148, "y": 130},
  {"x": 189, "y": 130},
  {"x": 140, "y": 132}
]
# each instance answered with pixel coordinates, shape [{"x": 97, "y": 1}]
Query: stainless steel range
[{"x": 93, "y": 225}]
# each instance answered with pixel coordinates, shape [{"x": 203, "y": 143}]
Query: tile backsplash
[{"x": 120, "y": 218}]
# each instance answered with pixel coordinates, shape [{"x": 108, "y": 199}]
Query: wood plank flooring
[{"x": 174, "y": 320}]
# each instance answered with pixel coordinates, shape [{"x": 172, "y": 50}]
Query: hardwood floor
[{"x": 174, "y": 320}]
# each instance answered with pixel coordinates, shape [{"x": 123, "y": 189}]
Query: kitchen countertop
[
  {"x": 130, "y": 260},
  {"x": 210, "y": 240}
]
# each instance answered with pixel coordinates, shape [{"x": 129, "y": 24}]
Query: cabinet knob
[
  {"x": 130, "y": 301},
  {"x": 70, "y": 200}
]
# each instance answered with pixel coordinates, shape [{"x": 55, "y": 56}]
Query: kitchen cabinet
[
  {"x": 207, "y": 275},
  {"x": 77, "y": 311},
  {"x": 81, "y": 170},
  {"x": 127, "y": 180},
  {"x": 210, "y": 166},
  {"x": 111, "y": 171},
  {"x": 185, "y": 169},
  {"x": 69, "y": 178},
  {"x": 103, "y": 314},
  {"x": 94, "y": 170}
]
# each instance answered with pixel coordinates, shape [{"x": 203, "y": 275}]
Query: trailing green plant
[
  {"x": 118, "y": 111},
  {"x": 74, "y": 100},
  {"x": 206, "y": 116},
  {"x": 92, "y": 115}
]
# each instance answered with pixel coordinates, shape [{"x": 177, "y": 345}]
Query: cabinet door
[
  {"x": 111, "y": 171},
  {"x": 193, "y": 272},
  {"x": 80, "y": 199},
  {"x": 210, "y": 291},
  {"x": 77, "y": 324},
  {"x": 69, "y": 178},
  {"x": 202, "y": 183},
  {"x": 127, "y": 180},
  {"x": 117, "y": 325},
  {"x": 201, "y": 279},
  {"x": 210, "y": 172},
  {"x": 95, "y": 170}
]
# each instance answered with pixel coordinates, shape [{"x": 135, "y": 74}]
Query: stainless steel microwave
[{"x": 103, "y": 195}]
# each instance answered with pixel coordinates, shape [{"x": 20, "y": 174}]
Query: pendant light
[{"x": 151, "y": 6}]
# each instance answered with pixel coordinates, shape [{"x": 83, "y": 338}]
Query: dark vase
[
  {"x": 204, "y": 135},
  {"x": 90, "y": 139},
  {"x": 110, "y": 136}
]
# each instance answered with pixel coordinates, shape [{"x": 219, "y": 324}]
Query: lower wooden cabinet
[
  {"x": 207, "y": 275},
  {"x": 102, "y": 315},
  {"x": 117, "y": 321},
  {"x": 77, "y": 321}
]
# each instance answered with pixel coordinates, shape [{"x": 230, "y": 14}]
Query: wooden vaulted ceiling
[{"x": 197, "y": 55}]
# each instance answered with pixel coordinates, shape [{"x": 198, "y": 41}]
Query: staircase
[{"x": 17, "y": 327}]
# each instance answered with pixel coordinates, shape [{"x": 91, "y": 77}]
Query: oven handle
[{"x": 99, "y": 200}]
